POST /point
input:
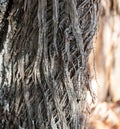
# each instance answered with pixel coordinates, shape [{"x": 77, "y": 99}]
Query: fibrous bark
[{"x": 44, "y": 76}]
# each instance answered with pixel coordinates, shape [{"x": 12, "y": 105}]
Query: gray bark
[{"x": 44, "y": 48}]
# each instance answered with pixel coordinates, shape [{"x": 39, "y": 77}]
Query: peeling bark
[{"x": 43, "y": 68}]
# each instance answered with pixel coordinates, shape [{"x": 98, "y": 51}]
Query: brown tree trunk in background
[
  {"x": 107, "y": 53},
  {"x": 44, "y": 48}
]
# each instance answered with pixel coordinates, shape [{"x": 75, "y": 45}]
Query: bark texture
[{"x": 44, "y": 48}]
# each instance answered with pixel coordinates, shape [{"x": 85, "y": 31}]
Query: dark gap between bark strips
[{"x": 4, "y": 23}]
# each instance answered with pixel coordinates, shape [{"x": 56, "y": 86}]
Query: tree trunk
[
  {"x": 107, "y": 53},
  {"x": 44, "y": 48}
]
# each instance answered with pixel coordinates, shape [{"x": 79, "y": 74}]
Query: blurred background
[{"x": 104, "y": 65}]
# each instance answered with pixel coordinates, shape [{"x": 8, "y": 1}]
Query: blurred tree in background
[
  {"x": 44, "y": 48},
  {"x": 107, "y": 67},
  {"x": 107, "y": 51}
]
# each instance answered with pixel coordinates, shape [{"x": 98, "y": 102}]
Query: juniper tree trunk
[{"x": 44, "y": 48}]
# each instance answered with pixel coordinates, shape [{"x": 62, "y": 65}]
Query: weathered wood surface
[{"x": 43, "y": 63}]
